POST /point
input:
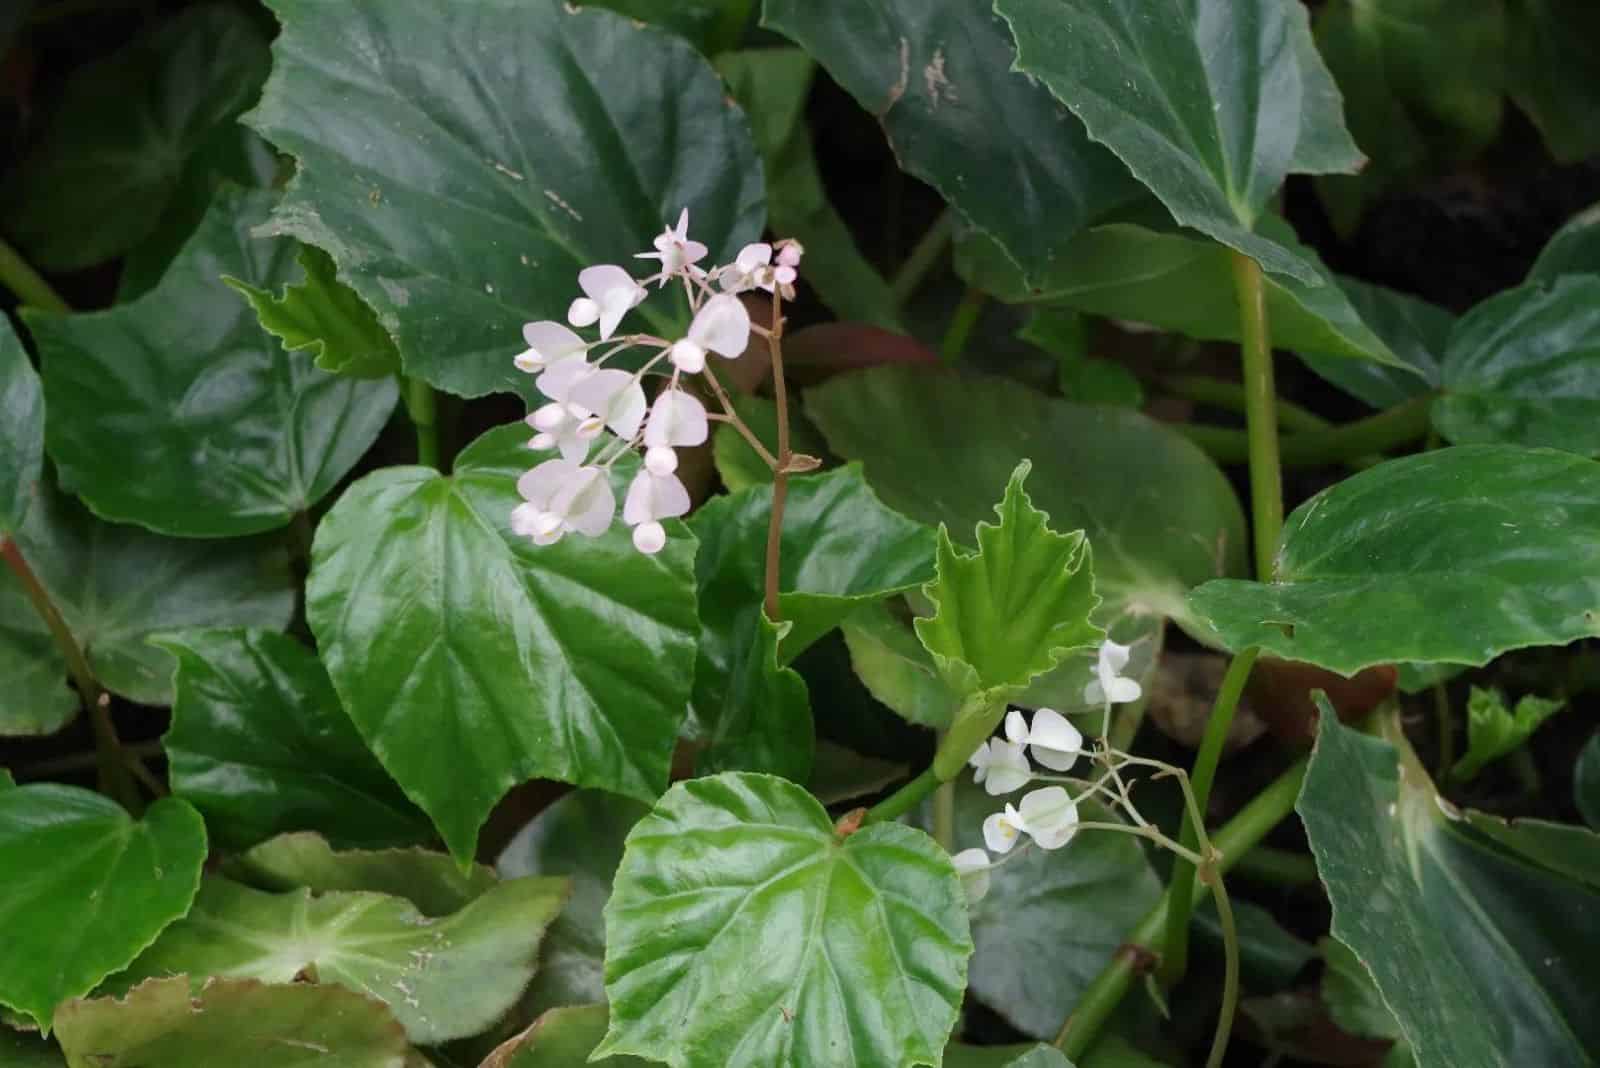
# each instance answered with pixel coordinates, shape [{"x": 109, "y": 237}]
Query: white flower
[
  {"x": 972, "y": 865},
  {"x": 674, "y": 250},
  {"x": 722, "y": 326},
  {"x": 653, "y": 497},
  {"x": 1001, "y": 830},
  {"x": 1000, "y": 767},
  {"x": 609, "y": 293},
  {"x": 1050, "y": 816},
  {"x": 676, "y": 420},
  {"x": 615, "y": 396},
  {"x": 1052, "y": 741},
  {"x": 568, "y": 427},
  {"x": 748, "y": 270},
  {"x": 548, "y": 342},
  {"x": 1108, "y": 687},
  {"x": 560, "y": 496}
]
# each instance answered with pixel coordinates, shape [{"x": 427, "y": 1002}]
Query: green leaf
[
  {"x": 230, "y": 434},
  {"x": 711, "y": 25},
  {"x": 579, "y": 837},
  {"x": 1144, "y": 269},
  {"x": 324, "y": 316},
  {"x": 231, "y": 1021},
  {"x": 935, "y": 77},
  {"x": 1081, "y": 901},
  {"x": 259, "y": 745},
  {"x": 841, "y": 548},
  {"x": 116, "y": 586},
  {"x": 1456, "y": 555},
  {"x": 697, "y": 972},
  {"x": 1039, "y": 1056},
  {"x": 1505, "y": 975},
  {"x": 738, "y": 464},
  {"x": 1493, "y": 730},
  {"x": 772, "y": 84},
  {"x": 840, "y": 774},
  {"x": 433, "y": 882},
  {"x": 443, "y": 978},
  {"x": 1351, "y": 997},
  {"x": 90, "y": 888},
  {"x": 28, "y": 1050},
  {"x": 1575, "y": 248},
  {"x": 1210, "y": 107},
  {"x": 1586, "y": 782},
  {"x": 1523, "y": 368},
  {"x": 561, "y": 1038},
  {"x": 21, "y": 429},
  {"x": 892, "y": 664},
  {"x": 1414, "y": 330},
  {"x": 114, "y": 157},
  {"x": 471, "y": 659},
  {"x": 455, "y": 209},
  {"x": 1550, "y": 72}
]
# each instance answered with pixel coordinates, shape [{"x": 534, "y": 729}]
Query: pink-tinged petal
[
  {"x": 615, "y": 396},
  {"x": 753, "y": 256},
  {"x": 677, "y": 420},
  {"x": 583, "y": 312},
  {"x": 539, "y": 486},
  {"x": 557, "y": 382},
  {"x": 649, "y": 538},
  {"x": 550, "y": 342},
  {"x": 652, "y": 497},
  {"x": 590, "y": 503},
  {"x": 722, "y": 325}
]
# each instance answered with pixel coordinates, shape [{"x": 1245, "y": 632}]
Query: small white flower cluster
[
  {"x": 573, "y": 493},
  {"x": 1048, "y": 816}
]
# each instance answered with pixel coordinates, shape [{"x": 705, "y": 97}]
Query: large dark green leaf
[
  {"x": 1456, "y": 555},
  {"x": 21, "y": 429},
  {"x": 1210, "y": 104},
  {"x": 1524, "y": 368},
  {"x": 1550, "y": 71},
  {"x": 1486, "y": 954},
  {"x": 433, "y": 882},
  {"x": 88, "y": 887},
  {"x": 229, "y": 433},
  {"x": 936, "y": 76},
  {"x": 484, "y": 151},
  {"x": 580, "y": 837},
  {"x": 443, "y": 978},
  {"x": 232, "y": 1021},
  {"x": 1575, "y": 248},
  {"x": 713, "y": 25},
  {"x": 124, "y": 133},
  {"x": 116, "y": 586},
  {"x": 756, "y": 952},
  {"x": 259, "y": 744},
  {"x": 841, "y": 548},
  {"x": 1414, "y": 330},
  {"x": 471, "y": 659}
]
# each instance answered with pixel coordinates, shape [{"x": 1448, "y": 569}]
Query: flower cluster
[
  {"x": 572, "y": 493},
  {"x": 1047, "y": 816}
]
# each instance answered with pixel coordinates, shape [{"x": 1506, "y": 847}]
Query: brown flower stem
[{"x": 780, "y": 473}]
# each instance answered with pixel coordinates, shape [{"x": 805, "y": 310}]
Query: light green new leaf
[
  {"x": 1508, "y": 970},
  {"x": 443, "y": 978},
  {"x": 1523, "y": 368},
  {"x": 260, "y": 745},
  {"x": 232, "y": 1021},
  {"x": 1455, "y": 555},
  {"x": 124, "y": 134},
  {"x": 455, "y": 206},
  {"x": 1575, "y": 248},
  {"x": 561, "y": 1038},
  {"x": 892, "y": 664},
  {"x": 21, "y": 429},
  {"x": 1493, "y": 730},
  {"x": 756, "y": 952},
  {"x": 1209, "y": 103},
  {"x": 433, "y": 882},
  {"x": 579, "y": 837},
  {"x": 471, "y": 659},
  {"x": 323, "y": 315},
  {"x": 88, "y": 887},
  {"x": 935, "y": 76},
  {"x": 1550, "y": 72},
  {"x": 229, "y": 433}
]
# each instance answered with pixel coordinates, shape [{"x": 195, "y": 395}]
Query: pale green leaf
[
  {"x": 324, "y": 316},
  {"x": 1494, "y": 730},
  {"x": 433, "y": 882}
]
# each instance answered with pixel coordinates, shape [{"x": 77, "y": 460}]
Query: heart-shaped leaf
[
  {"x": 113, "y": 160},
  {"x": 232, "y": 1021},
  {"x": 695, "y": 975},
  {"x": 1210, "y": 105},
  {"x": 433, "y": 882},
  {"x": 21, "y": 429},
  {"x": 471, "y": 659},
  {"x": 455, "y": 208},
  {"x": 259, "y": 744},
  {"x": 1456, "y": 555},
  {"x": 324, "y": 316},
  {"x": 935, "y": 77},
  {"x": 579, "y": 837},
  {"x": 98, "y": 887},
  {"x": 442, "y": 978},
  {"x": 229, "y": 433},
  {"x": 1508, "y": 974}
]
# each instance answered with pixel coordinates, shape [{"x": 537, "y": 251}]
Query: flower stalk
[{"x": 785, "y": 457}]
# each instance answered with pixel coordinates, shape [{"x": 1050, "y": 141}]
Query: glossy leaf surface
[
  {"x": 471, "y": 659},
  {"x": 433, "y": 882},
  {"x": 1414, "y": 330},
  {"x": 749, "y": 955},
  {"x": 21, "y": 429},
  {"x": 1575, "y": 248}
]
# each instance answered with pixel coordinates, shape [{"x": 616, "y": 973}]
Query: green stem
[
  {"x": 944, "y": 812},
  {"x": 30, "y": 287},
  {"x": 1232, "y": 841},
  {"x": 923, "y": 256},
  {"x": 1351, "y": 443},
  {"x": 1280, "y": 867},
  {"x": 1230, "y": 397},
  {"x": 1230, "y": 974},
  {"x": 1180, "y": 892},
  {"x": 904, "y": 799},
  {"x": 1261, "y": 414},
  {"x": 962, "y": 321},
  {"x": 422, "y": 407}
]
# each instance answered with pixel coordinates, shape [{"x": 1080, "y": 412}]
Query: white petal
[
  {"x": 1093, "y": 693},
  {"x": 980, "y": 758},
  {"x": 1016, "y": 728},
  {"x": 676, "y": 419},
  {"x": 789, "y": 255},
  {"x": 613, "y": 290},
  {"x": 999, "y": 833},
  {"x": 1054, "y": 742},
  {"x": 1050, "y": 816},
  {"x": 722, "y": 325},
  {"x": 660, "y": 460},
  {"x": 649, "y": 538},
  {"x": 688, "y": 357},
  {"x": 541, "y": 484},
  {"x": 652, "y": 497},
  {"x": 523, "y": 517},
  {"x": 615, "y": 396},
  {"x": 549, "y": 417},
  {"x": 591, "y": 503},
  {"x": 557, "y": 382},
  {"x": 972, "y": 865},
  {"x": 1008, "y": 768},
  {"x": 1114, "y": 656},
  {"x": 583, "y": 312},
  {"x": 752, "y": 256},
  {"x": 1123, "y": 690},
  {"x": 550, "y": 342}
]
